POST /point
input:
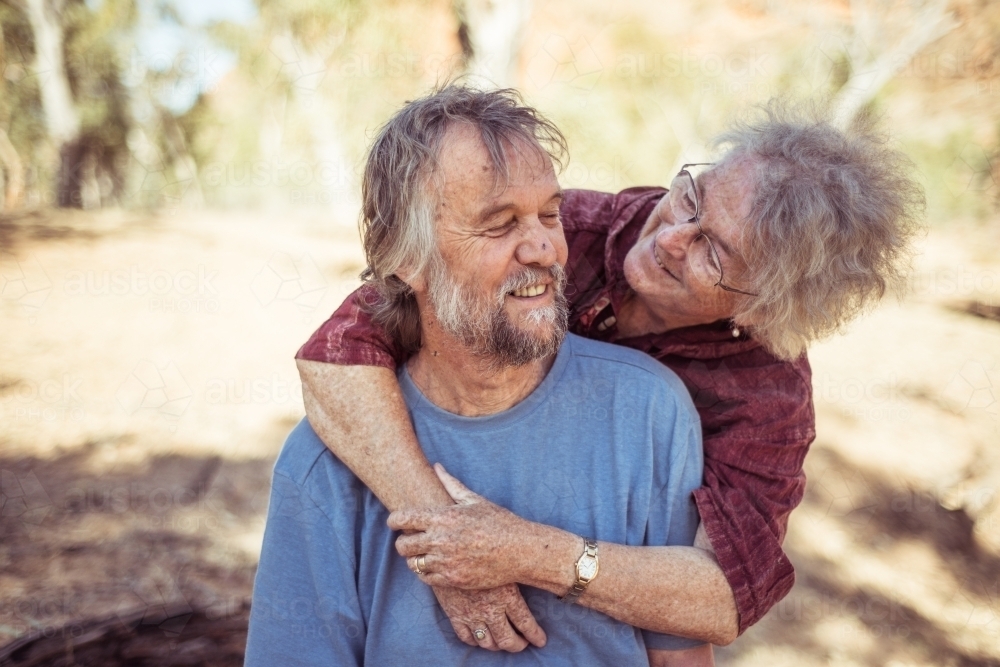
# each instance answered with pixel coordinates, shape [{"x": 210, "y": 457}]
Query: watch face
[{"x": 587, "y": 568}]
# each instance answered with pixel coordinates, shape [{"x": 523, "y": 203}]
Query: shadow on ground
[
  {"x": 147, "y": 556},
  {"x": 827, "y": 609}
]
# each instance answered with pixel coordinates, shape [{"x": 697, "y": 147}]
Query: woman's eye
[
  {"x": 710, "y": 257},
  {"x": 689, "y": 204}
]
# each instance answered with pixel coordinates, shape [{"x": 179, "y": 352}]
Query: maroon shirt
[{"x": 756, "y": 410}]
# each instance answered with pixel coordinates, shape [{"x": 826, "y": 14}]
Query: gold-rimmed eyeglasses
[{"x": 686, "y": 206}]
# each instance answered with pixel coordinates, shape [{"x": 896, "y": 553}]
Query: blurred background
[{"x": 179, "y": 188}]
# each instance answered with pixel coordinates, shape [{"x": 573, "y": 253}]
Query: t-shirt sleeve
[
  {"x": 306, "y": 609},
  {"x": 678, "y": 466},
  {"x": 351, "y": 337}
]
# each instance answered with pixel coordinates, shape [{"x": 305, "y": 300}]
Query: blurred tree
[
  {"x": 883, "y": 37},
  {"x": 61, "y": 116},
  {"x": 491, "y": 33},
  {"x": 69, "y": 120},
  {"x": 11, "y": 168}
]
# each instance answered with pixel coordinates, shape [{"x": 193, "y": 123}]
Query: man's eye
[{"x": 502, "y": 229}]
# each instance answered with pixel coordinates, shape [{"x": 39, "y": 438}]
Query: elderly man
[
  {"x": 588, "y": 488},
  {"x": 725, "y": 278}
]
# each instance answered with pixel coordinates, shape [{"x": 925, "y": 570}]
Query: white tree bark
[
  {"x": 61, "y": 117},
  {"x": 325, "y": 126},
  {"x": 13, "y": 173},
  {"x": 495, "y": 30},
  {"x": 872, "y": 67}
]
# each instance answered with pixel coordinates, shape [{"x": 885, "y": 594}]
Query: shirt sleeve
[
  {"x": 744, "y": 505},
  {"x": 306, "y": 609},
  {"x": 351, "y": 338},
  {"x": 673, "y": 516},
  {"x": 756, "y": 439}
]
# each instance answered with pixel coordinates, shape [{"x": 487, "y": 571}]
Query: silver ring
[
  {"x": 419, "y": 565},
  {"x": 480, "y": 634}
]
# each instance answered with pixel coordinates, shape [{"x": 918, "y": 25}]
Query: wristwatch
[{"x": 587, "y": 567}]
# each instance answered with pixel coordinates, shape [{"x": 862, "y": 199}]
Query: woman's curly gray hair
[
  {"x": 830, "y": 224},
  {"x": 397, "y": 212}
]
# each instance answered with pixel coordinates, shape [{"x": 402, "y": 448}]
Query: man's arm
[{"x": 302, "y": 551}]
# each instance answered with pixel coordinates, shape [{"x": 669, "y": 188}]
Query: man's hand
[
  {"x": 471, "y": 545},
  {"x": 497, "y": 611}
]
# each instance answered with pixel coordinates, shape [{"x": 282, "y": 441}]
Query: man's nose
[
  {"x": 538, "y": 246},
  {"x": 676, "y": 239}
]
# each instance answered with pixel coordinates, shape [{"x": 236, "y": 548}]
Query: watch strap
[{"x": 580, "y": 585}]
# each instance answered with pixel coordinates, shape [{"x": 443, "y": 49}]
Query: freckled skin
[
  {"x": 662, "y": 302},
  {"x": 464, "y": 537}
]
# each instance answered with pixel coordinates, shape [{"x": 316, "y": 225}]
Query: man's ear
[{"x": 415, "y": 280}]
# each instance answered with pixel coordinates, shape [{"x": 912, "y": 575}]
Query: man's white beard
[{"x": 481, "y": 323}]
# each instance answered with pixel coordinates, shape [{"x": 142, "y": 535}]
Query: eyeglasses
[{"x": 686, "y": 206}]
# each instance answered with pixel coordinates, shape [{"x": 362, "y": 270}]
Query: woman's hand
[
  {"x": 470, "y": 545},
  {"x": 496, "y": 613}
]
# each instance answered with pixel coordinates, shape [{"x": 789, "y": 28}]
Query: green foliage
[
  {"x": 95, "y": 50},
  {"x": 21, "y": 112}
]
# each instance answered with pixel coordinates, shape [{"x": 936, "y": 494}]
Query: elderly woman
[{"x": 726, "y": 278}]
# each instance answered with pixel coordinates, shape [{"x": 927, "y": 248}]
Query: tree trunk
[
  {"x": 13, "y": 172},
  {"x": 491, "y": 32},
  {"x": 872, "y": 69},
  {"x": 61, "y": 117}
]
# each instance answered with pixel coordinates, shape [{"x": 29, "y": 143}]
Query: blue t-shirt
[{"x": 607, "y": 446}]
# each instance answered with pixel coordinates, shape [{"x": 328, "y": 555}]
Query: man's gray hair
[
  {"x": 830, "y": 224},
  {"x": 398, "y": 200}
]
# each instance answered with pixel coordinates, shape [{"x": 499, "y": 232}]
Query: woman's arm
[
  {"x": 359, "y": 413},
  {"x": 701, "y": 656},
  {"x": 672, "y": 590}
]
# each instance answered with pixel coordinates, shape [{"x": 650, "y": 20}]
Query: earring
[{"x": 736, "y": 331}]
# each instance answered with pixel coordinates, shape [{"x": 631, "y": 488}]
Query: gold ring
[
  {"x": 480, "y": 634},
  {"x": 419, "y": 565}
]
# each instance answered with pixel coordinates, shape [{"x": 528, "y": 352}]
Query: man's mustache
[{"x": 527, "y": 276}]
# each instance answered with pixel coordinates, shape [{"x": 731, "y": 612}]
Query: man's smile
[{"x": 530, "y": 291}]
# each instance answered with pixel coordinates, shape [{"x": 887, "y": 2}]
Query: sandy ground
[{"x": 147, "y": 382}]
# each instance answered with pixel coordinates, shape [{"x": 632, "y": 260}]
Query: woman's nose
[{"x": 676, "y": 239}]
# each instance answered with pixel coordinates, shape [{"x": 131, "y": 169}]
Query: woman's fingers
[
  {"x": 464, "y": 634},
  {"x": 505, "y": 638},
  {"x": 460, "y": 493},
  {"x": 522, "y": 619}
]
